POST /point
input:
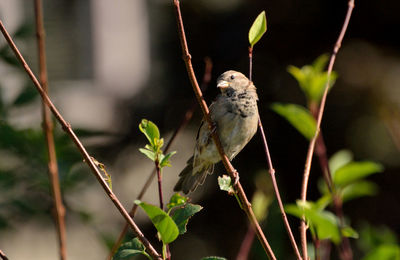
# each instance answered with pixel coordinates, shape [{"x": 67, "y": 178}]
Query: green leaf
[
  {"x": 150, "y": 130},
  {"x": 164, "y": 224},
  {"x": 225, "y": 184},
  {"x": 312, "y": 79},
  {"x": 213, "y": 258},
  {"x": 384, "y": 252},
  {"x": 324, "y": 222},
  {"x": 358, "y": 189},
  {"x": 258, "y": 28},
  {"x": 354, "y": 171},
  {"x": 150, "y": 154},
  {"x": 176, "y": 200},
  {"x": 299, "y": 117},
  {"x": 339, "y": 159},
  {"x": 129, "y": 249},
  {"x": 182, "y": 215},
  {"x": 165, "y": 159},
  {"x": 260, "y": 204},
  {"x": 349, "y": 232}
]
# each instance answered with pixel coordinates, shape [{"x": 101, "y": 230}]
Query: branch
[
  {"x": 67, "y": 128},
  {"x": 306, "y": 175},
  {"x": 271, "y": 171},
  {"x": 3, "y": 256},
  {"x": 185, "y": 120},
  {"x": 228, "y": 166},
  {"x": 52, "y": 166}
]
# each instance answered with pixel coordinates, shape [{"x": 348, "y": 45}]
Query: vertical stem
[
  {"x": 228, "y": 166},
  {"x": 159, "y": 180},
  {"x": 87, "y": 158},
  {"x": 59, "y": 216},
  {"x": 246, "y": 244},
  {"x": 303, "y": 227},
  {"x": 272, "y": 171},
  {"x": 250, "y": 63}
]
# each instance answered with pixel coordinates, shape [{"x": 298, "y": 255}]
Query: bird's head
[{"x": 233, "y": 81}]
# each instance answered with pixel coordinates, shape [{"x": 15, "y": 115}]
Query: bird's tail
[{"x": 191, "y": 178}]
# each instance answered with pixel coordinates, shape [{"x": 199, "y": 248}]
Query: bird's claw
[{"x": 236, "y": 177}]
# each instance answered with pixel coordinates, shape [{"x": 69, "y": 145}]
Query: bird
[{"x": 235, "y": 117}]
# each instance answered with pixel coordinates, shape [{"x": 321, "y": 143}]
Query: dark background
[{"x": 361, "y": 111}]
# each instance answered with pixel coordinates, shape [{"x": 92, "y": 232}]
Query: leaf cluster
[{"x": 153, "y": 150}]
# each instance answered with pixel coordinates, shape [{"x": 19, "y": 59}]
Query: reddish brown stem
[
  {"x": 277, "y": 194},
  {"x": 185, "y": 120},
  {"x": 306, "y": 175},
  {"x": 59, "y": 216},
  {"x": 87, "y": 158},
  {"x": 3, "y": 256},
  {"x": 345, "y": 250},
  {"x": 228, "y": 166},
  {"x": 246, "y": 244},
  {"x": 272, "y": 171},
  {"x": 159, "y": 181}
]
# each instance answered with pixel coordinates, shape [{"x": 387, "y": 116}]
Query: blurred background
[{"x": 111, "y": 64}]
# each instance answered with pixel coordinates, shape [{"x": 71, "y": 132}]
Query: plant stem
[
  {"x": 185, "y": 120},
  {"x": 87, "y": 158},
  {"x": 59, "y": 208},
  {"x": 159, "y": 180},
  {"x": 246, "y": 244},
  {"x": 3, "y": 256},
  {"x": 271, "y": 171},
  {"x": 345, "y": 250},
  {"x": 303, "y": 228},
  {"x": 228, "y": 166}
]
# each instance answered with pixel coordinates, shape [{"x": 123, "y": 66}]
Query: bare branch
[
  {"x": 67, "y": 128},
  {"x": 306, "y": 175}
]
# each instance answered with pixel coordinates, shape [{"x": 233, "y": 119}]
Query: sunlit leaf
[
  {"x": 349, "y": 232},
  {"x": 355, "y": 171},
  {"x": 384, "y": 252},
  {"x": 299, "y": 117},
  {"x": 339, "y": 159},
  {"x": 312, "y": 79},
  {"x": 258, "y": 28},
  {"x": 164, "y": 224},
  {"x": 260, "y": 204},
  {"x": 225, "y": 183},
  {"x": 177, "y": 200},
  {"x": 165, "y": 159},
  {"x": 150, "y": 154},
  {"x": 150, "y": 130},
  {"x": 357, "y": 190}
]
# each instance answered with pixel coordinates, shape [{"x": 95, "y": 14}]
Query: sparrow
[{"x": 235, "y": 117}]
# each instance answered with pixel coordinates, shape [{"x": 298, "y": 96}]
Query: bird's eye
[{"x": 232, "y": 76}]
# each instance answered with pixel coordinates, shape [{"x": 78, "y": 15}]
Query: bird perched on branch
[{"x": 235, "y": 117}]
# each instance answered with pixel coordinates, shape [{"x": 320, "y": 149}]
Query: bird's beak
[{"x": 223, "y": 84}]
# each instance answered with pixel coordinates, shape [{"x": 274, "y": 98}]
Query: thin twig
[
  {"x": 306, "y": 175},
  {"x": 228, "y": 166},
  {"x": 67, "y": 128},
  {"x": 3, "y": 256},
  {"x": 271, "y": 171},
  {"x": 59, "y": 217},
  {"x": 159, "y": 180},
  {"x": 185, "y": 120},
  {"x": 345, "y": 250},
  {"x": 246, "y": 244}
]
